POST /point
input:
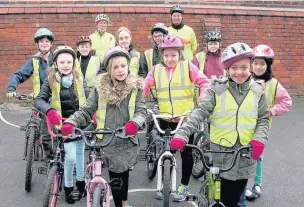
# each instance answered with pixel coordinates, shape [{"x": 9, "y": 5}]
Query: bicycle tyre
[
  {"x": 97, "y": 197},
  {"x": 166, "y": 182},
  {"x": 151, "y": 164},
  {"x": 51, "y": 190},
  {"x": 29, "y": 160},
  {"x": 198, "y": 169}
]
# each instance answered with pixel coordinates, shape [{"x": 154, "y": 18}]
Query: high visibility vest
[
  {"x": 149, "y": 57},
  {"x": 201, "y": 58},
  {"x": 102, "y": 111},
  {"x": 36, "y": 77},
  {"x": 270, "y": 92},
  {"x": 134, "y": 64},
  {"x": 102, "y": 43},
  {"x": 92, "y": 69},
  {"x": 55, "y": 99},
  {"x": 174, "y": 96},
  {"x": 231, "y": 121}
]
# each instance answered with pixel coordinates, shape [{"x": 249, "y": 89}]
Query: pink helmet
[
  {"x": 171, "y": 41},
  {"x": 263, "y": 51}
]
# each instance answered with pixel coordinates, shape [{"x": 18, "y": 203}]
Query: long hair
[{"x": 268, "y": 73}]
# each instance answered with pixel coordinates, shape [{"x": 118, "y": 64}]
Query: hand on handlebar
[
  {"x": 177, "y": 144},
  {"x": 67, "y": 128},
  {"x": 131, "y": 128},
  {"x": 257, "y": 149},
  {"x": 53, "y": 117},
  {"x": 11, "y": 94}
]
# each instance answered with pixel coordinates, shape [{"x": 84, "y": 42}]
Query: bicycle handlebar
[
  {"x": 23, "y": 96},
  {"x": 167, "y": 116},
  {"x": 235, "y": 153}
]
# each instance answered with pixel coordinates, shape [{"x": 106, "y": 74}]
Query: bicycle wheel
[
  {"x": 198, "y": 169},
  {"x": 51, "y": 191},
  {"x": 30, "y": 159},
  {"x": 166, "y": 182},
  {"x": 151, "y": 162},
  {"x": 97, "y": 197}
]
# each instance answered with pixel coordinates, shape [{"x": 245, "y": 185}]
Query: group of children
[{"x": 106, "y": 83}]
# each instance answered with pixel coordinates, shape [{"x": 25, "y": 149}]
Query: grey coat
[
  {"x": 121, "y": 154},
  {"x": 244, "y": 167}
]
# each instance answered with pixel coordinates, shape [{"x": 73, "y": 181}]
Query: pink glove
[
  {"x": 67, "y": 128},
  {"x": 177, "y": 144},
  {"x": 53, "y": 117},
  {"x": 257, "y": 149},
  {"x": 94, "y": 118},
  {"x": 131, "y": 128}
]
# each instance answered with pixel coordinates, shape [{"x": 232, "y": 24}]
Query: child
[
  {"x": 278, "y": 100},
  {"x": 118, "y": 99},
  {"x": 36, "y": 66},
  {"x": 89, "y": 64},
  {"x": 209, "y": 61},
  {"x": 174, "y": 81},
  {"x": 66, "y": 90},
  {"x": 240, "y": 116}
]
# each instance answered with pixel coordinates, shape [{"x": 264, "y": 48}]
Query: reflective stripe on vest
[
  {"x": 149, "y": 58},
  {"x": 134, "y": 64},
  {"x": 270, "y": 92},
  {"x": 174, "y": 96},
  {"x": 231, "y": 121},
  {"x": 102, "y": 43},
  {"x": 92, "y": 69},
  {"x": 36, "y": 77},
  {"x": 102, "y": 111},
  {"x": 55, "y": 99},
  {"x": 201, "y": 58}
]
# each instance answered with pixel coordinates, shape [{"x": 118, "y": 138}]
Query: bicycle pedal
[
  {"x": 42, "y": 170},
  {"x": 116, "y": 183},
  {"x": 191, "y": 197}
]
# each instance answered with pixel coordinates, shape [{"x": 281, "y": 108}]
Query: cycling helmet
[
  {"x": 42, "y": 33},
  {"x": 82, "y": 39},
  {"x": 213, "y": 36},
  {"x": 64, "y": 49},
  {"x": 114, "y": 52},
  {"x": 171, "y": 41},
  {"x": 177, "y": 8},
  {"x": 236, "y": 52},
  {"x": 159, "y": 27},
  {"x": 263, "y": 51},
  {"x": 102, "y": 17}
]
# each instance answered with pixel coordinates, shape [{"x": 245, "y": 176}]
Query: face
[
  {"x": 44, "y": 45},
  {"x": 171, "y": 57},
  {"x": 102, "y": 26},
  {"x": 119, "y": 68},
  {"x": 259, "y": 67},
  {"x": 124, "y": 39},
  {"x": 177, "y": 18},
  {"x": 213, "y": 46},
  {"x": 65, "y": 63},
  {"x": 158, "y": 37},
  {"x": 239, "y": 71},
  {"x": 84, "y": 48}
]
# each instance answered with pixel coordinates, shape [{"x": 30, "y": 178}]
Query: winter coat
[
  {"x": 144, "y": 70},
  {"x": 121, "y": 154},
  {"x": 244, "y": 168}
]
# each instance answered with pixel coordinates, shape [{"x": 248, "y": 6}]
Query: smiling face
[
  {"x": 177, "y": 18},
  {"x": 213, "y": 46},
  {"x": 102, "y": 26},
  {"x": 119, "y": 68},
  {"x": 65, "y": 63},
  {"x": 259, "y": 66},
  {"x": 171, "y": 57},
  {"x": 239, "y": 71},
  {"x": 158, "y": 37},
  {"x": 124, "y": 39},
  {"x": 84, "y": 48},
  {"x": 44, "y": 45}
]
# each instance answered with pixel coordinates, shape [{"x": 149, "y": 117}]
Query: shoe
[
  {"x": 182, "y": 193},
  {"x": 68, "y": 192},
  {"x": 257, "y": 189},
  {"x": 159, "y": 194},
  {"x": 81, "y": 187},
  {"x": 253, "y": 194}
]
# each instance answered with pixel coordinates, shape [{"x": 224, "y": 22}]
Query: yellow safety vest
[
  {"x": 149, "y": 58},
  {"x": 55, "y": 99},
  {"x": 92, "y": 69},
  {"x": 102, "y": 111},
  {"x": 201, "y": 58},
  {"x": 231, "y": 121},
  {"x": 134, "y": 64},
  {"x": 36, "y": 77},
  {"x": 174, "y": 96},
  {"x": 270, "y": 92},
  {"x": 102, "y": 43}
]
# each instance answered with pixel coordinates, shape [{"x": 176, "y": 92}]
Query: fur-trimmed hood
[{"x": 115, "y": 95}]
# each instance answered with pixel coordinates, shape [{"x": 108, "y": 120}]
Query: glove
[
  {"x": 67, "y": 128},
  {"x": 11, "y": 94},
  {"x": 94, "y": 118},
  {"x": 53, "y": 117},
  {"x": 131, "y": 128},
  {"x": 177, "y": 144},
  {"x": 257, "y": 149}
]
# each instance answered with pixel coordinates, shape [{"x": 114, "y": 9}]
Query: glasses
[{"x": 158, "y": 36}]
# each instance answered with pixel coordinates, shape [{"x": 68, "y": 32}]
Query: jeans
[
  {"x": 74, "y": 152},
  {"x": 242, "y": 202}
]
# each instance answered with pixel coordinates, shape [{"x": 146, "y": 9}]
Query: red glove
[
  {"x": 177, "y": 144},
  {"x": 94, "y": 118},
  {"x": 53, "y": 117},
  {"x": 67, "y": 128},
  {"x": 257, "y": 149},
  {"x": 131, "y": 128}
]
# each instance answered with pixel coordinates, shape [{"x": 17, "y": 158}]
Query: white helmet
[
  {"x": 263, "y": 51},
  {"x": 236, "y": 52},
  {"x": 102, "y": 17}
]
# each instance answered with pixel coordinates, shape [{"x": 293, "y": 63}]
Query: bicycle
[
  {"x": 159, "y": 157},
  {"x": 97, "y": 188},
  {"x": 210, "y": 191},
  {"x": 33, "y": 149}
]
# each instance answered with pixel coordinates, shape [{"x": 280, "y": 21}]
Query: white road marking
[{"x": 14, "y": 125}]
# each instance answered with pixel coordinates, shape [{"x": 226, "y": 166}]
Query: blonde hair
[
  {"x": 121, "y": 29},
  {"x": 112, "y": 61}
]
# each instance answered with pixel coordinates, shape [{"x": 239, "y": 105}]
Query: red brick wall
[{"x": 284, "y": 31}]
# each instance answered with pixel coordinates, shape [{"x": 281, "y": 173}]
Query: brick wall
[{"x": 282, "y": 29}]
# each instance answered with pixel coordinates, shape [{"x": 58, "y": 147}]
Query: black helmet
[
  {"x": 213, "y": 36},
  {"x": 159, "y": 27},
  {"x": 177, "y": 8}
]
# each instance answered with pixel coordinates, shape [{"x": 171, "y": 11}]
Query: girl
[
  {"x": 118, "y": 99},
  {"x": 278, "y": 100},
  {"x": 66, "y": 90},
  {"x": 174, "y": 81},
  {"x": 240, "y": 116}
]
